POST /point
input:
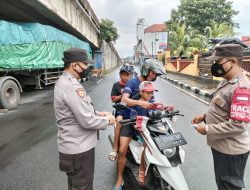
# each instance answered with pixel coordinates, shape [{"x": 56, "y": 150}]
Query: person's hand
[
  {"x": 201, "y": 129},
  {"x": 111, "y": 119},
  {"x": 145, "y": 104},
  {"x": 169, "y": 108},
  {"x": 116, "y": 98},
  {"x": 198, "y": 119}
]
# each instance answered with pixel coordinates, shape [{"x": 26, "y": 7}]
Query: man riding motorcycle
[{"x": 149, "y": 72}]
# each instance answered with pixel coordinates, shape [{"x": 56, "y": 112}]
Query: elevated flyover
[{"x": 73, "y": 16}]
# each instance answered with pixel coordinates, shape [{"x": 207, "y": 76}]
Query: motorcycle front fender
[
  {"x": 151, "y": 160},
  {"x": 173, "y": 176},
  {"x": 156, "y": 158}
]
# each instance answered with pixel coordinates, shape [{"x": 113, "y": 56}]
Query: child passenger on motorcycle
[
  {"x": 116, "y": 95},
  {"x": 146, "y": 93}
]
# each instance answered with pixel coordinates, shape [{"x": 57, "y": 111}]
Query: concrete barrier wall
[
  {"x": 111, "y": 59},
  {"x": 246, "y": 63},
  {"x": 191, "y": 67},
  {"x": 184, "y": 66}
]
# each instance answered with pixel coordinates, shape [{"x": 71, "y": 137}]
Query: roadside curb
[
  {"x": 196, "y": 90},
  {"x": 3, "y": 110}
]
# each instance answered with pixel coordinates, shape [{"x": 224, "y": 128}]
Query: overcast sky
[{"x": 125, "y": 13}]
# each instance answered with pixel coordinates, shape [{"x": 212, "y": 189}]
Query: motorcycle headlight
[{"x": 170, "y": 152}]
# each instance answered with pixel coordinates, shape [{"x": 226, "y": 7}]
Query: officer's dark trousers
[
  {"x": 79, "y": 169},
  {"x": 229, "y": 170}
]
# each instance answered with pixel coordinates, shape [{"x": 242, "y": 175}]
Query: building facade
[
  {"x": 155, "y": 40},
  {"x": 150, "y": 40}
]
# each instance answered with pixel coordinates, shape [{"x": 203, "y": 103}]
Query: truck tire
[{"x": 9, "y": 95}]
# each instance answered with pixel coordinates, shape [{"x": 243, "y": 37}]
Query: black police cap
[{"x": 76, "y": 55}]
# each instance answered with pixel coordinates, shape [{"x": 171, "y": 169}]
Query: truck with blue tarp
[{"x": 31, "y": 54}]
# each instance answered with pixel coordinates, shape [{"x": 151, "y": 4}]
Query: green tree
[
  {"x": 107, "y": 30},
  {"x": 183, "y": 40},
  {"x": 198, "y": 41},
  {"x": 216, "y": 30},
  {"x": 162, "y": 58},
  {"x": 199, "y": 14}
]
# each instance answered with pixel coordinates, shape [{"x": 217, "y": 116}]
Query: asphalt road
[{"x": 28, "y": 149}]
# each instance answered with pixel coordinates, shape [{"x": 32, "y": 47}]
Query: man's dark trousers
[
  {"x": 229, "y": 170},
  {"x": 79, "y": 169}
]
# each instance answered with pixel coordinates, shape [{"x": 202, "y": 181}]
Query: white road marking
[
  {"x": 195, "y": 97},
  {"x": 99, "y": 81}
]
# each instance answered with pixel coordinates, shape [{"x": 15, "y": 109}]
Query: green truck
[{"x": 30, "y": 55}]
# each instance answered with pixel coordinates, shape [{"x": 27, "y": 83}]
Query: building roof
[
  {"x": 247, "y": 43},
  {"x": 246, "y": 40},
  {"x": 155, "y": 28}
]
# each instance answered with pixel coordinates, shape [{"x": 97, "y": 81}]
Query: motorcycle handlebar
[
  {"x": 171, "y": 114},
  {"x": 153, "y": 116},
  {"x": 179, "y": 114}
]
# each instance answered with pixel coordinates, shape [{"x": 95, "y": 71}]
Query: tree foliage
[
  {"x": 196, "y": 21},
  {"x": 199, "y": 14},
  {"x": 108, "y": 31},
  {"x": 216, "y": 30},
  {"x": 183, "y": 40}
]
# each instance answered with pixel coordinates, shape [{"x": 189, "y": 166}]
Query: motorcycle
[{"x": 163, "y": 153}]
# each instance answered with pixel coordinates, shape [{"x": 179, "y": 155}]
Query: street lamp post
[
  {"x": 152, "y": 44},
  {"x": 156, "y": 40}
]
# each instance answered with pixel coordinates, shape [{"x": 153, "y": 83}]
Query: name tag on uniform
[{"x": 242, "y": 98}]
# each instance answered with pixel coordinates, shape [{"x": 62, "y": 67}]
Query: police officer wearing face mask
[
  {"x": 77, "y": 122},
  {"x": 228, "y": 118}
]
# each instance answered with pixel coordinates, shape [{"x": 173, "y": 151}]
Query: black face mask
[
  {"x": 84, "y": 73},
  {"x": 217, "y": 70}
]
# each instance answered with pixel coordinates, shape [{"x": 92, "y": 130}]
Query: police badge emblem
[{"x": 80, "y": 92}]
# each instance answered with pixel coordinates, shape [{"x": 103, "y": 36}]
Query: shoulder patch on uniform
[
  {"x": 244, "y": 84},
  {"x": 218, "y": 101},
  {"x": 80, "y": 92}
]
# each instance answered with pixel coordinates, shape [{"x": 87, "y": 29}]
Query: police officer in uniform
[
  {"x": 77, "y": 122},
  {"x": 228, "y": 118}
]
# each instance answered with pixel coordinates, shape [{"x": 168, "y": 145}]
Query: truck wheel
[{"x": 9, "y": 95}]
